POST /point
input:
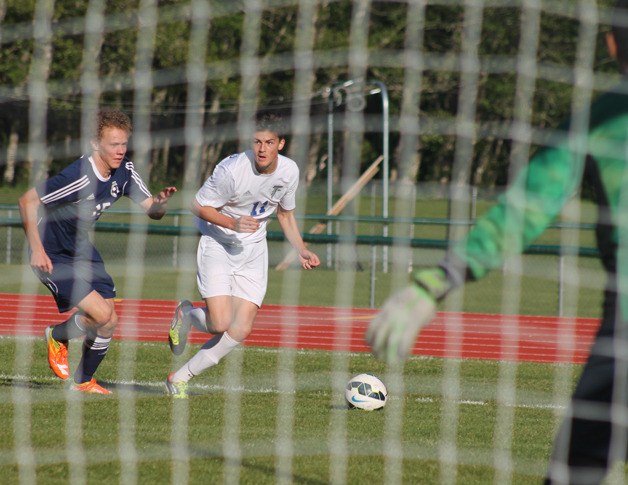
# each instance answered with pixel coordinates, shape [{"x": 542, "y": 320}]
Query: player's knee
[
  {"x": 219, "y": 326},
  {"x": 113, "y": 320},
  {"x": 217, "y": 322},
  {"x": 105, "y": 317},
  {"x": 107, "y": 329},
  {"x": 240, "y": 332}
]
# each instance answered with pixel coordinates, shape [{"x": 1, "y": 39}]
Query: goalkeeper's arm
[{"x": 391, "y": 334}]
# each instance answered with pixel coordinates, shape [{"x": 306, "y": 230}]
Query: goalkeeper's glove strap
[
  {"x": 456, "y": 269},
  {"x": 439, "y": 281},
  {"x": 434, "y": 281}
]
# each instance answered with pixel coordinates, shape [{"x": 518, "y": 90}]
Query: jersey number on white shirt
[{"x": 258, "y": 208}]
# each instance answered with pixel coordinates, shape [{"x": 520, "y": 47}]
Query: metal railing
[{"x": 12, "y": 222}]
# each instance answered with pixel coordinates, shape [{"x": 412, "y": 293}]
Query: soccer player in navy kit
[{"x": 57, "y": 216}]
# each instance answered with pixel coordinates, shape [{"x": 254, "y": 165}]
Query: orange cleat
[
  {"x": 91, "y": 387},
  {"x": 57, "y": 355}
]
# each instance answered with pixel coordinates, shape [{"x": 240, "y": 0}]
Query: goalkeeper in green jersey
[{"x": 589, "y": 440}]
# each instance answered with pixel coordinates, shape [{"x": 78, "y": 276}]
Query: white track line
[{"x": 267, "y": 390}]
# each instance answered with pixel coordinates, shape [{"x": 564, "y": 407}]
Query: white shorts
[{"x": 240, "y": 271}]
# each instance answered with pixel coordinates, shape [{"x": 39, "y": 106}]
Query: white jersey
[{"x": 237, "y": 189}]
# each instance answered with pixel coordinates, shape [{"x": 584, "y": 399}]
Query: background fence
[{"x": 354, "y": 243}]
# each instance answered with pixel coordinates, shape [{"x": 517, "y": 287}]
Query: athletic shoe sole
[
  {"x": 177, "y": 344},
  {"x": 91, "y": 387}
]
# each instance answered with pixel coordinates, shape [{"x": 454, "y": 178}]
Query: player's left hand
[
  {"x": 164, "y": 195},
  {"x": 308, "y": 259},
  {"x": 156, "y": 206}
]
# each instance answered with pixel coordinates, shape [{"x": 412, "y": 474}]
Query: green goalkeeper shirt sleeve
[
  {"x": 523, "y": 212},
  {"x": 548, "y": 181}
]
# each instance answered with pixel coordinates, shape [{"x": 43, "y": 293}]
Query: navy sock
[
  {"x": 69, "y": 329},
  {"x": 94, "y": 351}
]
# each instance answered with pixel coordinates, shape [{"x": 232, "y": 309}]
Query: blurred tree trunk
[
  {"x": 408, "y": 161},
  {"x": 313, "y": 159},
  {"x": 9, "y": 171},
  {"x": 212, "y": 151},
  {"x": 483, "y": 174},
  {"x": 159, "y": 159},
  {"x": 159, "y": 162}
]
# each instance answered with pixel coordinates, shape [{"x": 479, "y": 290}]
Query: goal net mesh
[{"x": 406, "y": 118}]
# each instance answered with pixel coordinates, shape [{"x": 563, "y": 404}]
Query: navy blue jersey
[{"x": 73, "y": 200}]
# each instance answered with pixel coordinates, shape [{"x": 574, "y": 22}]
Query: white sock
[
  {"x": 209, "y": 355},
  {"x": 198, "y": 318}
]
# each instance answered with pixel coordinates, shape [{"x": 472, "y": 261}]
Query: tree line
[{"x": 190, "y": 72}]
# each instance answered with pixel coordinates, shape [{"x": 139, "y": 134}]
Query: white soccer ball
[{"x": 367, "y": 392}]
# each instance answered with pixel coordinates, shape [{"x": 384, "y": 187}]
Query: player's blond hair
[{"x": 112, "y": 118}]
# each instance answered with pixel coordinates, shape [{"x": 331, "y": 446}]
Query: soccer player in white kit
[{"x": 233, "y": 208}]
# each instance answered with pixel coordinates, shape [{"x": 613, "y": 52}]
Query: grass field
[
  {"x": 139, "y": 435},
  {"x": 278, "y": 415}
]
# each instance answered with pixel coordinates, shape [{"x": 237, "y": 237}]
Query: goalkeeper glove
[{"x": 391, "y": 334}]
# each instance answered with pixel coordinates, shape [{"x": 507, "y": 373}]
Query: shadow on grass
[
  {"x": 267, "y": 471},
  {"x": 132, "y": 387},
  {"x": 36, "y": 383},
  {"x": 27, "y": 383}
]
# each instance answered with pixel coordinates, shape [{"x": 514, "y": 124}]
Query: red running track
[{"x": 454, "y": 335}]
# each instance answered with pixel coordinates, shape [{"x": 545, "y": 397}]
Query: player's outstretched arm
[
  {"x": 391, "y": 334},
  {"x": 29, "y": 203},
  {"x": 288, "y": 223},
  {"x": 156, "y": 206}
]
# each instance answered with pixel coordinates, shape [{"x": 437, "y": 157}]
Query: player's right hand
[
  {"x": 41, "y": 262},
  {"x": 246, "y": 224},
  {"x": 308, "y": 259}
]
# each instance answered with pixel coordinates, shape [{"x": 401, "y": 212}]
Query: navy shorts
[{"x": 70, "y": 283}]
